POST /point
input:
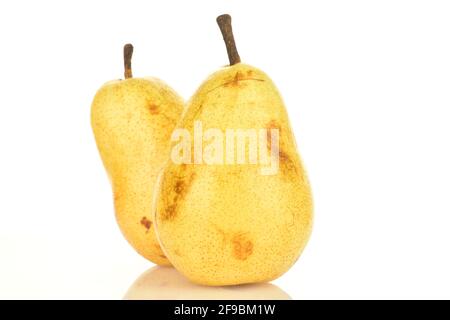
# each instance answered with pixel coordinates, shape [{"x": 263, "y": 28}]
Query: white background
[{"x": 367, "y": 87}]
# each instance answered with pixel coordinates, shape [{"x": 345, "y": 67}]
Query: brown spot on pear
[
  {"x": 242, "y": 246},
  {"x": 175, "y": 195},
  {"x": 146, "y": 223},
  {"x": 153, "y": 108},
  {"x": 286, "y": 163}
]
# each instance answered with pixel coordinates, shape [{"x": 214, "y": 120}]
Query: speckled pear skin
[
  {"x": 132, "y": 120},
  {"x": 229, "y": 224}
]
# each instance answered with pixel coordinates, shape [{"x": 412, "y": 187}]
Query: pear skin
[
  {"x": 132, "y": 120},
  {"x": 235, "y": 223}
]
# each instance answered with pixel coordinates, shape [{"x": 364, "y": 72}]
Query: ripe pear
[
  {"x": 232, "y": 222},
  {"x": 132, "y": 120}
]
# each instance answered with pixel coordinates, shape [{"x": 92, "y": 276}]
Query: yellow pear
[
  {"x": 132, "y": 120},
  {"x": 234, "y": 206}
]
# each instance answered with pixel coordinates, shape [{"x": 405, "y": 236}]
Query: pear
[
  {"x": 132, "y": 120},
  {"x": 229, "y": 216}
]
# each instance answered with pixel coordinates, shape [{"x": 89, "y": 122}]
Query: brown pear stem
[
  {"x": 224, "y": 22},
  {"x": 127, "y": 54}
]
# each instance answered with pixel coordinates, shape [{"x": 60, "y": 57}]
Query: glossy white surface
[
  {"x": 367, "y": 88},
  {"x": 45, "y": 270}
]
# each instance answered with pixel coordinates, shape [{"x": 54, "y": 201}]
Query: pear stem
[
  {"x": 127, "y": 54},
  {"x": 224, "y": 22}
]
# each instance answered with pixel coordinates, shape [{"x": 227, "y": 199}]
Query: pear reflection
[{"x": 164, "y": 283}]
